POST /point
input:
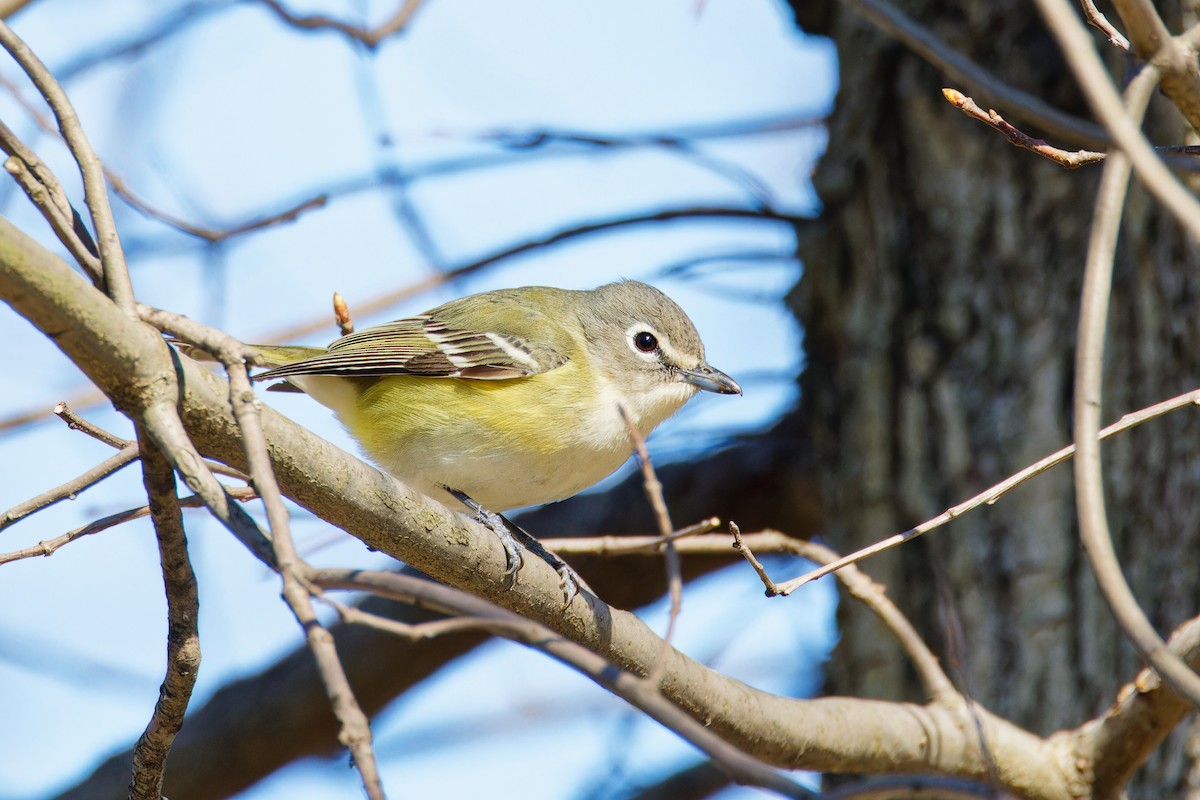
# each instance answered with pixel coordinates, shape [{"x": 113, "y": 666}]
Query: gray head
[{"x": 648, "y": 341}]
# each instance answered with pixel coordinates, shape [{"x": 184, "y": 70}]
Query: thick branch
[{"x": 123, "y": 355}]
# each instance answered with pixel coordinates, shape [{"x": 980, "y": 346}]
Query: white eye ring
[{"x": 644, "y": 341}]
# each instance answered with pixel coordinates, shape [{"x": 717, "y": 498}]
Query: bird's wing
[{"x": 428, "y": 346}]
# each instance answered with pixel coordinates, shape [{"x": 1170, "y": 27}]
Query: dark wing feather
[{"x": 428, "y": 347}]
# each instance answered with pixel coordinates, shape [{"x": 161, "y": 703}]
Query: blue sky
[{"x": 235, "y": 115}]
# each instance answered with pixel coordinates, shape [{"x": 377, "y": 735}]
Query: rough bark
[{"x": 939, "y": 302}]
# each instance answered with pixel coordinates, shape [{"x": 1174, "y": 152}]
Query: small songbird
[{"x": 508, "y": 398}]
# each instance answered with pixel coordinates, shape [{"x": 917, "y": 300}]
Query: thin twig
[
  {"x": 958, "y": 657},
  {"x": 78, "y": 423},
  {"x": 116, "y": 273},
  {"x": 63, "y": 411},
  {"x": 739, "y": 544},
  {"x": 355, "y": 732},
  {"x": 639, "y": 692},
  {"x": 183, "y": 636},
  {"x": 991, "y": 495},
  {"x": 10, "y": 144},
  {"x": 370, "y": 37},
  {"x": 937, "y": 685},
  {"x": 964, "y": 71},
  {"x": 45, "y": 191},
  {"x": 1102, "y": 95},
  {"x": 1094, "y": 529},
  {"x": 71, "y": 488},
  {"x": 654, "y": 493},
  {"x": 1097, "y": 20},
  {"x": 625, "y": 545},
  {"x": 214, "y": 235},
  {"x": 1172, "y": 56},
  {"x": 48, "y": 547},
  {"x": 678, "y": 145},
  {"x": 164, "y": 426},
  {"x": 411, "y": 632},
  {"x": 1070, "y": 160}
]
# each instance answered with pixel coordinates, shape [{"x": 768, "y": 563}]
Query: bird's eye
[{"x": 645, "y": 341}]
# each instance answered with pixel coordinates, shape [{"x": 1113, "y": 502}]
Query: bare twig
[
  {"x": 935, "y": 682},
  {"x": 964, "y": 71},
  {"x": 525, "y": 139},
  {"x": 213, "y": 235},
  {"x": 71, "y": 488},
  {"x": 640, "y": 692},
  {"x": 626, "y": 545},
  {"x": 1070, "y": 160},
  {"x": 1097, "y": 20},
  {"x": 116, "y": 273},
  {"x": 48, "y": 547},
  {"x": 83, "y": 398},
  {"x": 355, "y": 732},
  {"x": 369, "y": 37},
  {"x": 10, "y": 144},
  {"x": 412, "y": 632},
  {"x": 1174, "y": 57},
  {"x": 1102, "y": 95},
  {"x": 47, "y": 195},
  {"x": 681, "y": 146},
  {"x": 739, "y": 544},
  {"x": 164, "y": 426},
  {"x": 958, "y": 657},
  {"x": 1089, "y": 473},
  {"x": 654, "y": 494},
  {"x": 399, "y": 294},
  {"x": 75, "y": 422},
  {"x": 45, "y": 191},
  {"x": 991, "y": 495},
  {"x": 183, "y": 636},
  {"x": 78, "y": 423}
]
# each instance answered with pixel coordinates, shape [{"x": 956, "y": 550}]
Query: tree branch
[
  {"x": 964, "y": 71},
  {"x": 369, "y": 37},
  {"x": 1089, "y": 370},
  {"x": 183, "y": 636},
  {"x": 1107, "y": 104},
  {"x": 116, "y": 273},
  {"x": 1174, "y": 57},
  {"x": 69, "y": 489},
  {"x": 641, "y": 693}
]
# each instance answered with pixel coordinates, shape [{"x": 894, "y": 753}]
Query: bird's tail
[{"x": 265, "y": 355}]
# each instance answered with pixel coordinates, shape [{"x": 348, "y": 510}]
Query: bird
[{"x": 508, "y": 398}]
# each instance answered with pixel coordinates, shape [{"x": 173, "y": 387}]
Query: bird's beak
[{"x": 710, "y": 379}]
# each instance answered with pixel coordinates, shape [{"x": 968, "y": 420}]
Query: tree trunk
[{"x": 939, "y": 302}]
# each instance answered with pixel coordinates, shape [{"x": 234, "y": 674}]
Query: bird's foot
[
  {"x": 512, "y": 538},
  {"x": 500, "y": 526}
]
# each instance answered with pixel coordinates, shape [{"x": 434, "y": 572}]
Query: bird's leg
[
  {"x": 509, "y": 534},
  {"x": 498, "y": 525}
]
